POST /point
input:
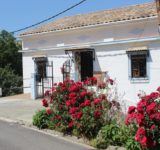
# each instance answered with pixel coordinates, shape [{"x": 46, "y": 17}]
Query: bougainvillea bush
[
  {"x": 145, "y": 117},
  {"x": 81, "y": 108}
]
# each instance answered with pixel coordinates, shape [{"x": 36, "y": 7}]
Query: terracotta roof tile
[{"x": 101, "y": 17}]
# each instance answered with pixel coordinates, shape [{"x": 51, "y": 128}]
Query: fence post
[{"x": 33, "y": 86}]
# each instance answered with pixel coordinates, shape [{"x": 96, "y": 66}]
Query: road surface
[{"x": 17, "y": 137}]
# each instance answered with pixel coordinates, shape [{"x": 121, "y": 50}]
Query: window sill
[{"x": 139, "y": 80}]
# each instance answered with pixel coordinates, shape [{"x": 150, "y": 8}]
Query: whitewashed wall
[
  {"x": 111, "y": 58},
  {"x": 115, "y": 60},
  {"x": 57, "y": 57},
  {"x": 28, "y": 69}
]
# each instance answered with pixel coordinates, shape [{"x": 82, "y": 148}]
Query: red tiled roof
[{"x": 100, "y": 17}]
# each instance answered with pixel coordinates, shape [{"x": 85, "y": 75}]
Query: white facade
[{"x": 110, "y": 42}]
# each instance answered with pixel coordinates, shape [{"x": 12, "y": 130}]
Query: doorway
[{"x": 86, "y": 64}]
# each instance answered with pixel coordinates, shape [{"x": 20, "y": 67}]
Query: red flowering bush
[
  {"x": 146, "y": 116},
  {"x": 75, "y": 106}
]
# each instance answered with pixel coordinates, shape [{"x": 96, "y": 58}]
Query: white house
[{"x": 123, "y": 42}]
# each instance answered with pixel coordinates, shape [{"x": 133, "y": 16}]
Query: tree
[
  {"x": 10, "y": 83},
  {"x": 9, "y": 55},
  {"x": 10, "y": 64}
]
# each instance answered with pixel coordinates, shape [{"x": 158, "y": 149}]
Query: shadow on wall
[{"x": 97, "y": 71}]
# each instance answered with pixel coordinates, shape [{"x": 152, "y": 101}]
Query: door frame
[{"x": 75, "y": 52}]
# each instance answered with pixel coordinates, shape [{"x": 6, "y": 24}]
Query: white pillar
[{"x": 33, "y": 86}]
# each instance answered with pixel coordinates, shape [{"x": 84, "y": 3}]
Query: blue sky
[{"x": 16, "y": 14}]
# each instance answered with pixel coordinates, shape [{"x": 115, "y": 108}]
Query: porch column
[
  {"x": 74, "y": 74},
  {"x": 33, "y": 86}
]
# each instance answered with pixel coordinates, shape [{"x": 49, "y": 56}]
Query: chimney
[{"x": 158, "y": 11}]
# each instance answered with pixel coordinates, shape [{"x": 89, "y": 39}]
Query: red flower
[
  {"x": 154, "y": 95},
  {"x": 53, "y": 89},
  {"x": 73, "y": 88},
  {"x": 82, "y": 105},
  {"x": 144, "y": 141},
  {"x": 44, "y": 103},
  {"x": 155, "y": 116},
  {"x": 58, "y": 124},
  {"x": 87, "y": 103},
  {"x": 146, "y": 98},
  {"x": 127, "y": 122},
  {"x": 151, "y": 107},
  {"x": 131, "y": 109},
  {"x": 58, "y": 117},
  {"x": 63, "y": 89},
  {"x": 94, "y": 80},
  {"x": 153, "y": 127},
  {"x": 140, "y": 119},
  {"x": 73, "y": 101},
  {"x": 130, "y": 118},
  {"x": 96, "y": 101},
  {"x": 97, "y": 114},
  {"x": 47, "y": 93},
  {"x": 77, "y": 115},
  {"x": 68, "y": 103},
  {"x": 72, "y": 95},
  {"x": 49, "y": 111},
  {"x": 140, "y": 134},
  {"x": 83, "y": 94},
  {"x": 86, "y": 82},
  {"x": 91, "y": 81},
  {"x": 70, "y": 124},
  {"x": 141, "y": 105},
  {"x": 60, "y": 84},
  {"x": 55, "y": 84},
  {"x": 73, "y": 110}
]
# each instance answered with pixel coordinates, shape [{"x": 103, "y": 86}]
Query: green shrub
[
  {"x": 131, "y": 144},
  {"x": 112, "y": 134},
  {"x": 81, "y": 108},
  {"x": 41, "y": 119},
  {"x": 10, "y": 83}
]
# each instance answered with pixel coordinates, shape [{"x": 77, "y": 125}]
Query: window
[
  {"x": 138, "y": 66},
  {"x": 138, "y": 62}
]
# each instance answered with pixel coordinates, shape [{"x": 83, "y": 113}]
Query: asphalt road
[{"x": 17, "y": 137}]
